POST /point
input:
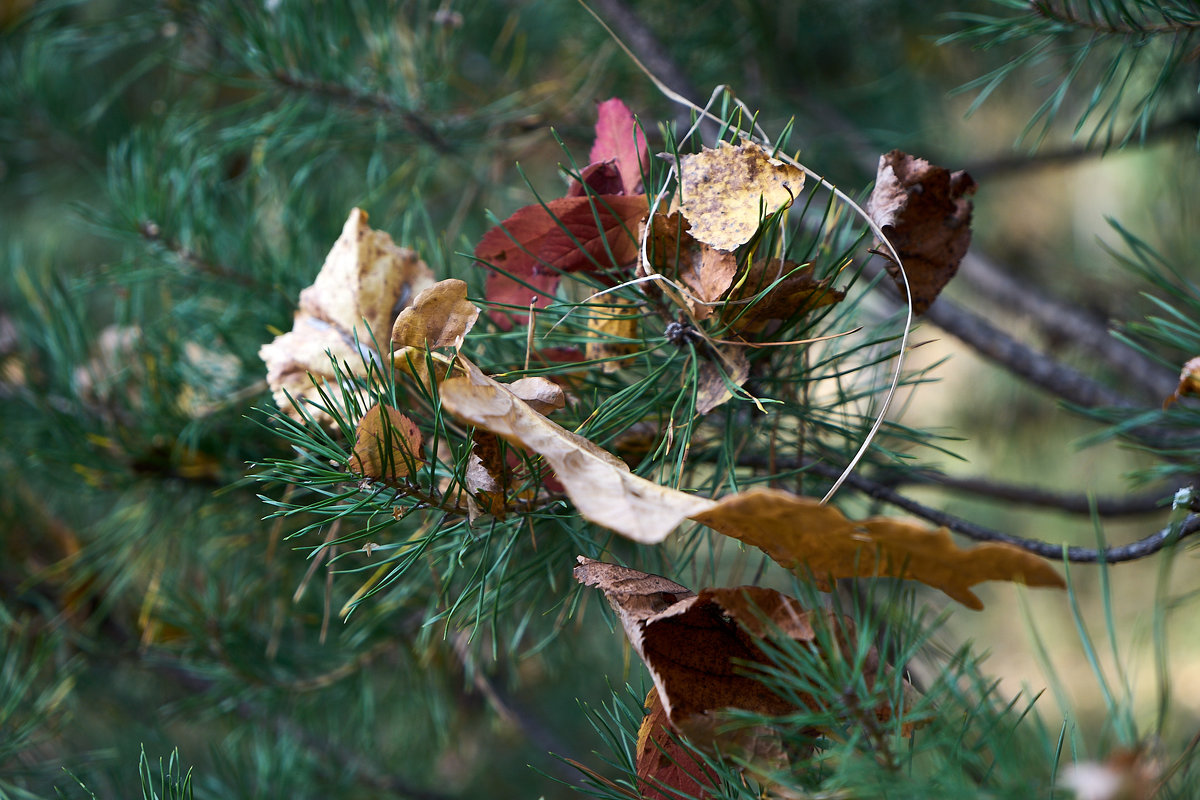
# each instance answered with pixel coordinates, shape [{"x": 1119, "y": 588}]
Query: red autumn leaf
[
  {"x": 565, "y": 235},
  {"x": 620, "y": 140},
  {"x": 602, "y": 178}
]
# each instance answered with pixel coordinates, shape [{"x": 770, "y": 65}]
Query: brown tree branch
[{"x": 1071, "y": 502}]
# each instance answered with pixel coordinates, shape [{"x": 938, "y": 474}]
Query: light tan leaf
[
  {"x": 598, "y": 483},
  {"x": 366, "y": 277},
  {"x": 542, "y": 394},
  {"x": 608, "y": 324},
  {"x": 787, "y": 290},
  {"x": 440, "y": 316},
  {"x": 386, "y": 445},
  {"x": 707, "y": 271},
  {"x": 716, "y": 375},
  {"x": 727, "y": 191},
  {"x": 924, "y": 210},
  {"x": 801, "y": 532}
]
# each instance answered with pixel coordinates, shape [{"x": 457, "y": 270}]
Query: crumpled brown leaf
[
  {"x": 726, "y": 192},
  {"x": 366, "y": 276},
  {"x": 440, "y": 316},
  {"x": 790, "y": 290},
  {"x": 924, "y": 211},
  {"x": 387, "y": 444},
  {"x": 598, "y": 483},
  {"x": 716, "y": 375},
  {"x": 705, "y": 270},
  {"x": 801, "y": 532}
]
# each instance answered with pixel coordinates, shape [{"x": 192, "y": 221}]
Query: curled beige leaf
[
  {"x": 440, "y": 316},
  {"x": 365, "y": 279},
  {"x": 598, "y": 483},
  {"x": 801, "y": 533},
  {"x": 727, "y": 191}
]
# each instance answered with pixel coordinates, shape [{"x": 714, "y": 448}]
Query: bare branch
[{"x": 1071, "y": 502}]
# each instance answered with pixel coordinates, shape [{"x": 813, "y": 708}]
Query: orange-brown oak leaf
[
  {"x": 924, "y": 212},
  {"x": 801, "y": 533}
]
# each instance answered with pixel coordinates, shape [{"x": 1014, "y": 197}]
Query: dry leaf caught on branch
[
  {"x": 366, "y": 276},
  {"x": 924, "y": 211},
  {"x": 726, "y": 192},
  {"x": 697, "y": 647},
  {"x": 387, "y": 445},
  {"x": 707, "y": 271},
  {"x": 787, "y": 290},
  {"x": 802, "y": 533},
  {"x": 1189, "y": 382},
  {"x": 440, "y": 316},
  {"x": 598, "y": 483}
]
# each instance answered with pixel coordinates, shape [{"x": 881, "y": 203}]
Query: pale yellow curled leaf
[
  {"x": 387, "y": 445},
  {"x": 801, "y": 533},
  {"x": 440, "y": 316},
  {"x": 606, "y": 328},
  {"x": 365, "y": 280},
  {"x": 598, "y": 483},
  {"x": 728, "y": 191}
]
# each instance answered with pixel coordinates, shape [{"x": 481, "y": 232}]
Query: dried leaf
[
  {"x": 667, "y": 770},
  {"x": 790, "y": 291},
  {"x": 801, "y": 532},
  {"x": 1189, "y": 382},
  {"x": 707, "y": 271},
  {"x": 608, "y": 324},
  {"x": 713, "y": 386},
  {"x": 486, "y": 477},
  {"x": 568, "y": 235},
  {"x": 365, "y": 277},
  {"x": 924, "y": 211},
  {"x": 726, "y": 191},
  {"x": 387, "y": 444},
  {"x": 440, "y": 316},
  {"x": 603, "y": 178},
  {"x": 697, "y": 647},
  {"x": 542, "y": 394},
  {"x": 598, "y": 483},
  {"x": 620, "y": 140}
]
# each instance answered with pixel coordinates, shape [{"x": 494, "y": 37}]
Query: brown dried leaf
[
  {"x": 801, "y": 532},
  {"x": 707, "y": 271},
  {"x": 486, "y": 476},
  {"x": 365, "y": 277},
  {"x": 726, "y": 191},
  {"x": 598, "y": 483},
  {"x": 924, "y": 211},
  {"x": 712, "y": 388},
  {"x": 387, "y": 444},
  {"x": 790, "y": 291},
  {"x": 667, "y": 770},
  {"x": 1189, "y": 382},
  {"x": 440, "y": 316},
  {"x": 607, "y": 324},
  {"x": 542, "y": 394}
]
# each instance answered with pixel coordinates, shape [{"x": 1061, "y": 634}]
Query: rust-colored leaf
[
  {"x": 727, "y": 191},
  {"x": 365, "y": 278},
  {"x": 565, "y": 235},
  {"x": 667, "y": 770},
  {"x": 707, "y": 271},
  {"x": 803, "y": 533},
  {"x": 387, "y": 445},
  {"x": 598, "y": 483},
  {"x": 440, "y": 316},
  {"x": 924, "y": 211},
  {"x": 774, "y": 290}
]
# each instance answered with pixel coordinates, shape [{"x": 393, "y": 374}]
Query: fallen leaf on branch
[
  {"x": 570, "y": 234},
  {"x": 924, "y": 211},
  {"x": 440, "y": 316},
  {"x": 790, "y": 291},
  {"x": 697, "y": 648},
  {"x": 705, "y": 270},
  {"x": 598, "y": 483},
  {"x": 1189, "y": 382},
  {"x": 802, "y": 533},
  {"x": 727, "y": 191},
  {"x": 607, "y": 324},
  {"x": 387, "y": 445},
  {"x": 486, "y": 477},
  {"x": 366, "y": 278},
  {"x": 718, "y": 374},
  {"x": 620, "y": 141}
]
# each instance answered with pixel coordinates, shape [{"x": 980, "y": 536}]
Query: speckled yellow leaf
[
  {"x": 727, "y": 191},
  {"x": 801, "y": 532}
]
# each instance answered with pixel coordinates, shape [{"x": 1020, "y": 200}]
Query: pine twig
[
  {"x": 1071, "y": 502},
  {"x": 1065, "y": 14}
]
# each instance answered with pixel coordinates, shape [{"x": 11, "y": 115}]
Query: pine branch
[
  {"x": 1071, "y": 502},
  {"x": 150, "y": 231},
  {"x": 1110, "y": 25}
]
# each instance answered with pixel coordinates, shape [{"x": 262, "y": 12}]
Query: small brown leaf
[
  {"x": 801, "y": 532},
  {"x": 486, "y": 477},
  {"x": 608, "y": 324},
  {"x": 790, "y": 291},
  {"x": 598, "y": 483},
  {"x": 440, "y": 316},
  {"x": 667, "y": 770},
  {"x": 1189, "y": 382},
  {"x": 716, "y": 375},
  {"x": 707, "y": 271},
  {"x": 387, "y": 444},
  {"x": 924, "y": 211},
  {"x": 365, "y": 278},
  {"x": 726, "y": 192}
]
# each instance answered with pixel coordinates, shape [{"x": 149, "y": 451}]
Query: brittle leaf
[
  {"x": 440, "y": 316},
  {"x": 387, "y": 445}
]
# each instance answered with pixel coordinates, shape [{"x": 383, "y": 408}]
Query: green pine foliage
[{"x": 197, "y": 600}]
